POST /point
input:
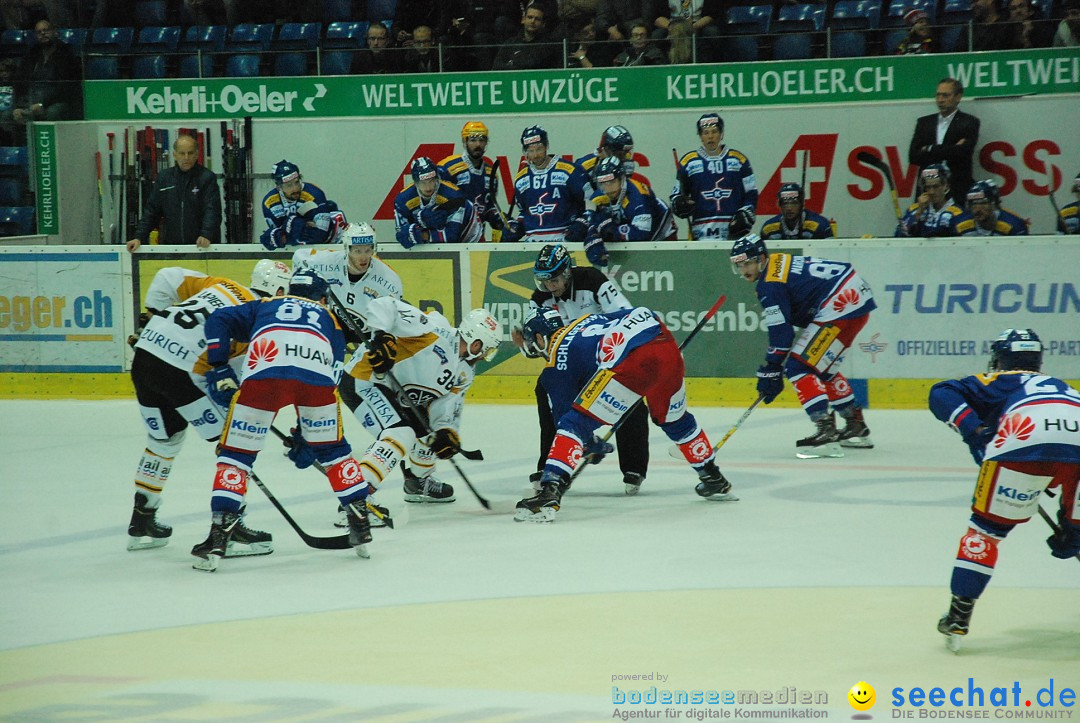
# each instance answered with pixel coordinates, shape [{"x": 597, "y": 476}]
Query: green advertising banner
[
  {"x": 44, "y": 165},
  {"x": 843, "y": 80}
]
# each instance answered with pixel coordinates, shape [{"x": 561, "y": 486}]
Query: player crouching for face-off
[
  {"x": 433, "y": 364},
  {"x": 831, "y": 303},
  {"x": 597, "y": 368},
  {"x": 295, "y": 354}
]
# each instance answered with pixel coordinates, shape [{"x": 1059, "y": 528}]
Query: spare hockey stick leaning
[
  {"x": 871, "y": 160},
  {"x": 1053, "y": 525},
  {"x": 673, "y": 450},
  {"x": 689, "y": 337},
  {"x": 381, "y": 512},
  {"x": 340, "y": 542}
]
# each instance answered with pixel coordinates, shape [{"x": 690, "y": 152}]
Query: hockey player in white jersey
[
  {"x": 167, "y": 372},
  {"x": 433, "y": 362}
]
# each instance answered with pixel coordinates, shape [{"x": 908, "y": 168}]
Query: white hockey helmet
[
  {"x": 270, "y": 277},
  {"x": 358, "y": 234},
  {"x": 479, "y": 324}
]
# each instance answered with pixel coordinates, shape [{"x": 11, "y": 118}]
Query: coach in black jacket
[
  {"x": 949, "y": 136},
  {"x": 185, "y": 200}
]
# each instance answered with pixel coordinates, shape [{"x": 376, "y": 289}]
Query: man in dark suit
[{"x": 948, "y": 136}]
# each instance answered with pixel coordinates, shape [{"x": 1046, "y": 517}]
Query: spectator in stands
[
  {"x": 990, "y": 30},
  {"x": 1068, "y": 31},
  {"x": 1026, "y": 31},
  {"x": 412, "y": 14},
  {"x": 918, "y": 40},
  {"x": 588, "y": 53},
  {"x": 531, "y": 48},
  {"x": 9, "y": 135},
  {"x": 948, "y": 136},
  {"x": 378, "y": 58},
  {"x": 476, "y": 28},
  {"x": 640, "y": 51},
  {"x": 48, "y": 82},
  {"x": 680, "y": 42},
  {"x": 703, "y": 16},
  {"x": 422, "y": 56},
  {"x": 573, "y": 14},
  {"x": 616, "y": 18}
]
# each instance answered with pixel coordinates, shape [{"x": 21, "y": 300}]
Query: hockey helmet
[
  {"x": 1016, "y": 349},
  {"x": 745, "y": 249},
  {"x": 984, "y": 191},
  {"x": 1076, "y": 184},
  {"x": 480, "y": 325},
  {"x": 607, "y": 169},
  {"x": 935, "y": 170},
  {"x": 618, "y": 142},
  {"x": 544, "y": 322},
  {"x": 710, "y": 119},
  {"x": 270, "y": 277},
  {"x": 534, "y": 134},
  {"x": 283, "y": 171},
  {"x": 474, "y": 129},
  {"x": 309, "y": 285},
  {"x": 358, "y": 234},
  {"x": 423, "y": 169},
  {"x": 789, "y": 192},
  {"x": 552, "y": 262}
]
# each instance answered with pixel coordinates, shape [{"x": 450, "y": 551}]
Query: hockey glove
[
  {"x": 977, "y": 441},
  {"x": 682, "y": 206},
  {"x": 382, "y": 351},
  {"x": 1065, "y": 542},
  {"x": 221, "y": 383},
  {"x": 433, "y": 216},
  {"x": 494, "y": 219},
  {"x": 596, "y": 449},
  {"x": 742, "y": 222},
  {"x": 596, "y": 252},
  {"x": 608, "y": 230},
  {"x": 416, "y": 235},
  {"x": 272, "y": 238},
  {"x": 445, "y": 443},
  {"x": 770, "y": 382},
  {"x": 514, "y": 231},
  {"x": 300, "y": 452},
  {"x": 577, "y": 231}
]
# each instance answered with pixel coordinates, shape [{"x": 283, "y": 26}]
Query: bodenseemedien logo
[{"x": 230, "y": 99}]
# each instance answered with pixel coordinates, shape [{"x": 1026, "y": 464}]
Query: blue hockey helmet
[
  {"x": 936, "y": 170},
  {"x": 745, "y": 249},
  {"x": 554, "y": 261},
  {"x": 710, "y": 119},
  {"x": 309, "y": 285},
  {"x": 284, "y": 171},
  {"x": 534, "y": 134},
  {"x": 1016, "y": 349},
  {"x": 608, "y": 169},
  {"x": 789, "y": 192},
  {"x": 423, "y": 169},
  {"x": 618, "y": 142},
  {"x": 542, "y": 322},
  {"x": 984, "y": 191}
]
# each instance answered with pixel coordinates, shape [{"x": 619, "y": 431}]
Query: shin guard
[
  {"x": 230, "y": 486},
  {"x": 975, "y": 562}
]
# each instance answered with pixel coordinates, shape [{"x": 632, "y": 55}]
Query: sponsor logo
[
  {"x": 231, "y": 478},
  {"x": 241, "y": 425},
  {"x": 318, "y": 423},
  {"x": 306, "y": 352},
  {"x": 874, "y": 347},
  {"x": 208, "y": 417},
  {"x": 848, "y": 297},
  {"x": 1014, "y": 425},
  {"x": 975, "y": 547},
  {"x": 610, "y": 345},
  {"x": 614, "y": 403},
  {"x": 439, "y": 352},
  {"x": 231, "y": 100},
  {"x": 263, "y": 350},
  {"x": 1012, "y": 493}
]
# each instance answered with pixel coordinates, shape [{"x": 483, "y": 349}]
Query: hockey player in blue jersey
[
  {"x": 295, "y": 354},
  {"x": 472, "y": 172},
  {"x": 434, "y": 210},
  {"x": 597, "y": 368},
  {"x": 550, "y": 195},
  {"x": 1068, "y": 220},
  {"x": 625, "y": 210},
  {"x": 1023, "y": 430},
  {"x": 933, "y": 212},
  {"x": 794, "y": 221},
  {"x": 985, "y": 216},
  {"x": 290, "y": 191},
  {"x": 310, "y": 224},
  {"x": 615, "y": 142},
  {"x": 712, "y": 183},
  {"x": 831, "y": 303}
]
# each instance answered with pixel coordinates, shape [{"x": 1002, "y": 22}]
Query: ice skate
[
  {"x": 342, "y": 521},
  {"x": 144, "y": 531},
  {"x": 542, "y": 506},
  {"x": 245, "y": 541},
  {"x": 632, "y": 482},
  {"x": 359, "y": 528},
  {"x": 534, "y": 480},
  {"x": 955, "y": 623},
  {"x": 855, "y": 433},
  {"x": 426, "y": 489},
  {"x": 823, "y": 443},
  {"x": 212, "y": 549},
  {"x": 713, "y": 485}
]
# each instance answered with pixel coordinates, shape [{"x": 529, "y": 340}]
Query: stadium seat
[
  {"x": 290, "y": 63},
  {"x": 1043, "y": 9},
  {"x": 14, "y": 161},
  {"x": 102, "y": 67},
  {"x": 194, "y": 66},
  {"x": 753, "y": 19},
  {"x": 251, "y": 36},
  {"x": 899, "y": 8},
  {"x": 244, "y": 65},
  {"x": 856, "y": 14},
  {"x": 12, "y": 191},
  {"x": 952, "y": 39},
  {"x": 346, "y": 36},
  {"x": 892, "y": 40},
  {"x": 208, "y": 38},
  {"x": 336, "y": 62},
  {"x": 955, "y": 12},
  {"x": 148, "y": 66},
  {"x": 110, "y": 40},
  {"x": 74, "y": 37},
  {"x": 14, "y": 42},
  {"x": 336, "y": 11},
  {"x": 792, "y": 46},
  {"x": 739, "y": 49},
  {"x": 848, "y": 44},
  {"x": 800, "y": 17},
  {"x": 150, "y": 12},
  {"x": 17, "y": 221},
  {"x": 298, "y": 36},
  {"x": 157, "y": 40},
  {"x": 379, "y": 10}
]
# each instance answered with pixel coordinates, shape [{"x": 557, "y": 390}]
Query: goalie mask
[
  {"x": 270, "y": 278},
  {"x": 552, "y": 263},
  {"x": 543, "y": 323},
  {"x": 479, "y": 325},
  {"x": 1016, "y": 349}
]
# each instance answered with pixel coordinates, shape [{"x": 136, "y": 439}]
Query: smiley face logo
[{"x": 862, "y": 696}]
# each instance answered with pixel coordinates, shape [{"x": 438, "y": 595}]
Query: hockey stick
[
  {"x": 1053, "y": 525},
  {"x": 681, "y": 177},
  {"x": 673, "y": 450},
  {"x": 871, "y": 160},
  {"x": 494, "y": 186},
  {"x": 100, "y": 198},
  {"x": 340, "y": 542},
  {"x": 689, "y": 337},
  {"x": 381, "y": 512}
]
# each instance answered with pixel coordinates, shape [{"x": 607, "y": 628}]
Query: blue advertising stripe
[
  {"x": 59, "y": 257},
  {"x": 60, "y": 368},
  {"x": 56, "y": 337}
]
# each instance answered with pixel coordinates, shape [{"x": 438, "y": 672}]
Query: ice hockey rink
[{"x": 825, "y": 573}]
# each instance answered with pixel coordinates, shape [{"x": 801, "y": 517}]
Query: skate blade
[
  {"x": 857, "y": 443},
  {"x": 425, "y": 498},
  {"x": 239, "y": 549},
  {"x": 726, "y": 497},
  {"x": 362, "y": 551},
  {"x": 952, "y": 642},
  {"x": 146, "y": 543},
  {"x": 545, "y": 514},
  {"x": 823, "y": 451},
  {"x": 205, "y": 564},
  {"x": 631, "y": 490}
]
